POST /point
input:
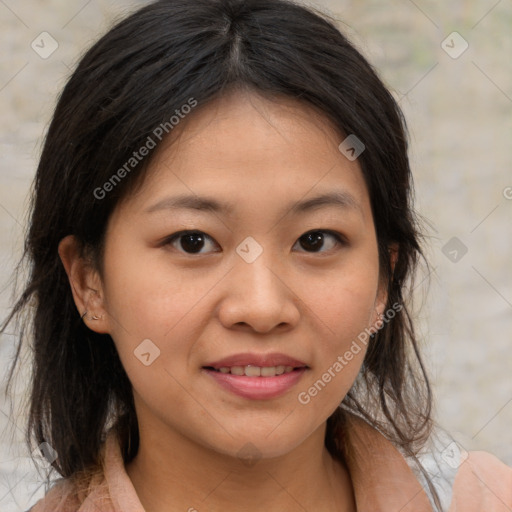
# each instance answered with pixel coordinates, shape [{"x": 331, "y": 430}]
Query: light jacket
[{"x": 383, "y": 479}]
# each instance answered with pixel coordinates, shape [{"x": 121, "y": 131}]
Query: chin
[{"x": 251, "y": 448}]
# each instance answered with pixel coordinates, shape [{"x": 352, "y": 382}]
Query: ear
[
  {"x": 393, "y": 254},
  {"x": 86, "y": 285},
  {"x": 382, "y": 294}
]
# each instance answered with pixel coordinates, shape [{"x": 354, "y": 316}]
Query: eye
[
  {"x": 315, "y": 240},
  {"x": 190, "y": 241}
]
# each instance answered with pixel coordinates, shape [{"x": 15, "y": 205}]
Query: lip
[
  {"x": 257, "y": 388},
  {"x": 253, "y": 359}
]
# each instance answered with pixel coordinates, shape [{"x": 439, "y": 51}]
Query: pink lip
[
  {"x": 246, "y": 359},
  {"x": 257, "y": 388}
]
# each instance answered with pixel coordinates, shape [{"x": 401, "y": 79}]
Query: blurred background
[{"x": 448, "y": 64}]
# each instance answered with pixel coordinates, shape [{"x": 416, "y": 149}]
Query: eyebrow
[{"x": 338, "y": 198}]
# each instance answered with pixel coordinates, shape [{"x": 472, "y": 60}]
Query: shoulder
[
  {"x": 61, "y": 496},
  {"x": 66, "y": 495},
  {"x": 483, "y": 482},
  {"x": 463, "y": 481},
  {"x": 101, "y": 487},
  {"x": 466, "y": 481},
  {"x": 75, "y": 493}
]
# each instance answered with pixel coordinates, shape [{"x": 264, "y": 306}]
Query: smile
[
  {"x": 254, "y": 371},
  {"x": 251, "y": 382}
]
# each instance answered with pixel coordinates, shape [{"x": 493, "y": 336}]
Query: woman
[{"x": 221, "y": 237}]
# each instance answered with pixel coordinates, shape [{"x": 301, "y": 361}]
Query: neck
[{"x": 178, "y": 474}]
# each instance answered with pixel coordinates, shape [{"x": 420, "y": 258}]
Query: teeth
[
  {"x": 253, "y": 371},
  {"x": 256, "y": 371},
  {"x": 268, "y": 372}
]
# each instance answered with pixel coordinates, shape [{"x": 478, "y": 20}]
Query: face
[{"x": 264, "y": 280}]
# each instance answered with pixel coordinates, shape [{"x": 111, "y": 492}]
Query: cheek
[
  {"x": 342, "y": 310},
  {"x": 156, "y": 319},
  {"x": 343, "y": 301},
  {"x": 150, "y": 299},
  {"x": 145, "y": 296}
]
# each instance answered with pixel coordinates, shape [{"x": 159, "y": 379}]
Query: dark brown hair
[{"x": 130, "y": 82}]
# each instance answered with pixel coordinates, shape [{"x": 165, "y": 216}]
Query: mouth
[
  {"x": 255, "y": 371},
  {"x": 256, "y": 376}
]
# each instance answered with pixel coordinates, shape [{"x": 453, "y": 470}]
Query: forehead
[{"x": 247, "y": 149}]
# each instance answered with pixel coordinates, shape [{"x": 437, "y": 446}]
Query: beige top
[{"x": 383, "y": 481}]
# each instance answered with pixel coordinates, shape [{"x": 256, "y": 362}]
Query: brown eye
[
  {"x": 314, "y": 241},
  {"x": 190, "y": 242}
]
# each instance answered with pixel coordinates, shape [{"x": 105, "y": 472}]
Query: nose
[{"x": 259, "y": 297}]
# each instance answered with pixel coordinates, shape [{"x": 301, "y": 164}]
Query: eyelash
[{"x": 337, "y": 236}]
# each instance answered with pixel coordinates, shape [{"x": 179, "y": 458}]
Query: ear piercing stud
[{"x": 94, "y": 317}]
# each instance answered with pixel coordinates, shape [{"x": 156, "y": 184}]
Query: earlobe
[{"x": 86, "y": 285}]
